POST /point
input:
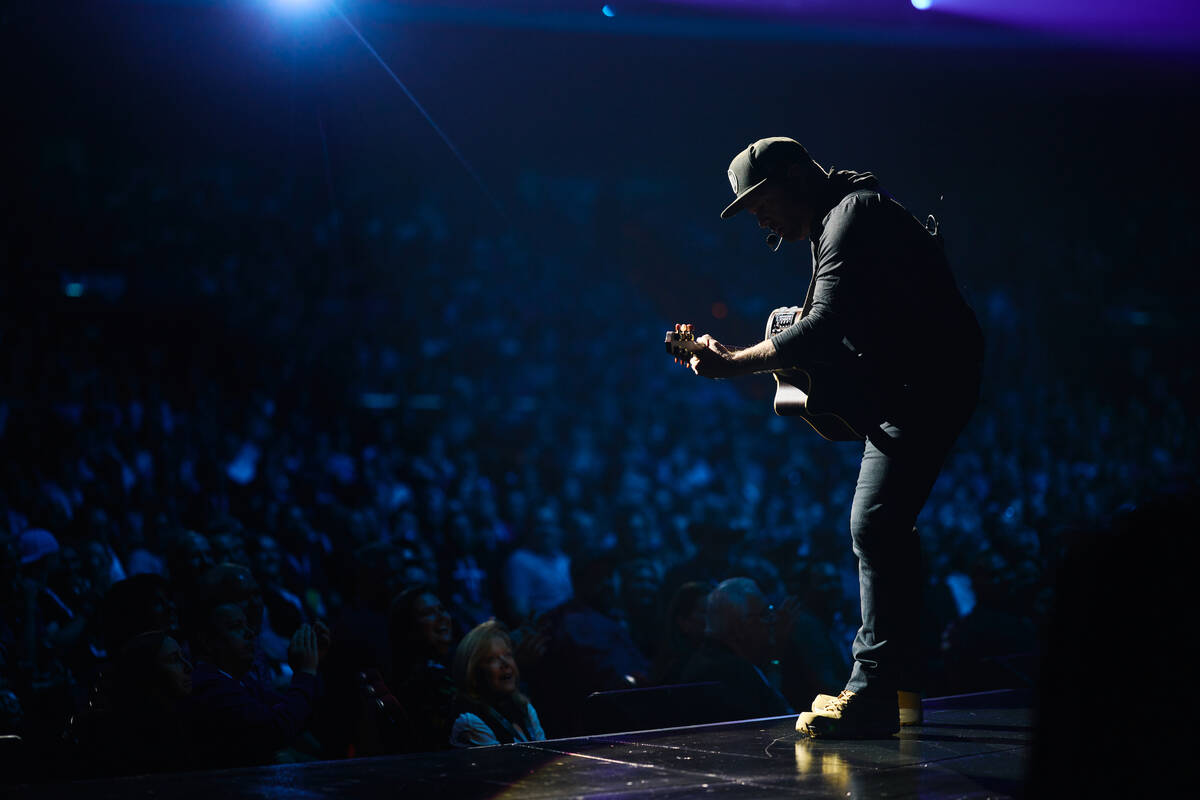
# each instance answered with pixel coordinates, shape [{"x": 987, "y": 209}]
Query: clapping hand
[
  {"x": 303, "y": 653},
  {"x": 324, "y": 638}
]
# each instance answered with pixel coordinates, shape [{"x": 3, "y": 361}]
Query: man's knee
[{"x": 876, "y": 529}]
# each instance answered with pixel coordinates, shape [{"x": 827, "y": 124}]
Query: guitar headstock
[{"x": 681, "y": 342}]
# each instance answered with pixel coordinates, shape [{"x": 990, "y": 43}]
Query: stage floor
[{"x": 970, "y": 746}]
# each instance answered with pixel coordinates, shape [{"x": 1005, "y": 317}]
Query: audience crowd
[{"x": 295, "y": 484}]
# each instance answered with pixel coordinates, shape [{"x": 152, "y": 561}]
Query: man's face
[
  {"x": 199, "y": 553},
  {"x": 177, "y": 670},
  {"x": 781, "y": 210},
  {"x": 163, "y": 609},
  {"x": 270, "y": 560},
  {"x": 756, "y": 629},
  {"x": 232, "y": 639},
  {"x": 692, "y": 623},
  {"x": 228, "y": 548},
  {"x": 433, "y": 622}
]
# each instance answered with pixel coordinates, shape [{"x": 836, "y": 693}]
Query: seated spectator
[
  {"x": 711, "y": 559},
  {"x": 737, "y": 638},
  {"x": 641, "y": 586},
  {"x": 422, "y": 637},
  {"x": 360, "y": 646},
  {"x": 48, "y": 629},
  {"x": 229, "y": 547},
  {"x": 283, "y": 610},
  {"x": 489, "y": 706},
  {"x": 815, "y": 647},
  {"x": 996, "y": 625},
  {"x": 304, "y": 549},
  {"x": 11, "y": 714},
  {"x": 78, "y": 586},
  {"x": 230, "y": 583},
  {"x": 469, "y": 586},
  {"x": 685, "y": 620},
  {"x": 588, "y": 649},
  {"x": 136, "y": 605},
  {"x": 132, "y": 606},
  {"x": 537, "y": 576},
  {"x": 364, "y": 616},
  {"x": 143, "y": 730},
  {"x": 189, "y": 556},
  {"x": 236, "y": 719}
]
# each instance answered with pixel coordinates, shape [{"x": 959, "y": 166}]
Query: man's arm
[
  {"x": 720, "y": 361},
  {"x": 844, "y": 257},
  {"x": 849, "y": 278}
]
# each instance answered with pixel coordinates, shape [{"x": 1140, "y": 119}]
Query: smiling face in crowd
[
  {"x": 433, "y": 623},
  {"x": 499, "y": 667}
]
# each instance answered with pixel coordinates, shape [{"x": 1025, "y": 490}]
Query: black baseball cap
[{"x": 766, "y": 158}]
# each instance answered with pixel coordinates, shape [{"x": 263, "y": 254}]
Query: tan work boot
[
  {"x": 911, "y": 712},
  {"x": 908, "y": 703},
  {"x": 851, "y": 715}
]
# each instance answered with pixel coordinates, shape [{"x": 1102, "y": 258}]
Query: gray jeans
[{"x": 897, "y": 474}]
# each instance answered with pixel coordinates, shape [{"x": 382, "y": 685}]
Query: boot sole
[
  {"x": 911, "y": 712},
  {"x": 816, "y": 726}
]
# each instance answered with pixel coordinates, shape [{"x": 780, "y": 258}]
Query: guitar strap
[{"x": 812, "y": 283}]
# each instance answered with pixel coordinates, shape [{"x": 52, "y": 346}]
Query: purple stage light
[
  {"x": 1141, "y": 23},
  {"x": 1166, "y": 22}
]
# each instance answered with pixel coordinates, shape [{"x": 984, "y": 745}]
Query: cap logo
[{"x": 733, "y": 181}]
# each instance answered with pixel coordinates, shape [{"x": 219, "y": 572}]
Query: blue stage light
[
  {"x": 296, "y": 6},
  {"x": 921, "y": 5},
  {"x": 608, "y": 11}
]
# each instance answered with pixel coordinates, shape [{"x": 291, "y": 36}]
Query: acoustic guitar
[{"x": 836, "y": 398}]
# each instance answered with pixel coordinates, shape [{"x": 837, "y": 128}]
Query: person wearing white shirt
[{"x": 489, "y": 706}]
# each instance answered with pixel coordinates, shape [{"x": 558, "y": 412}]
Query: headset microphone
[{"x": 773, "y": 241}]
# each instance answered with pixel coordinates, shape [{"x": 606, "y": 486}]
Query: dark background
[
  {"x": 233, "y": 184},
  {"x": 1013, "y": 141},
  {"x": 238, "y": 212}
]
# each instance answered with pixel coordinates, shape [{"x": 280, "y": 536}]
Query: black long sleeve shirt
[{"x": 881, "y": 283}]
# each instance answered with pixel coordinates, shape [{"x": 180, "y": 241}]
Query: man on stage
[{"x": 881, "y": 290}]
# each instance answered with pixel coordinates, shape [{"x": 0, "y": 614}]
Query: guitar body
[
  {"x": 834, "y": 398},
  {"x": 795, "y": 397}
]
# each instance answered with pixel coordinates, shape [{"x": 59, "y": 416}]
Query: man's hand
[
  {"x": 721, "y": 361},
  {"x": 716, "y": 361},
  {"x": 302, "y": 652},
  {"x": 324, "y": 639}
]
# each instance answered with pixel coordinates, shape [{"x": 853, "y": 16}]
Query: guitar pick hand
[
  {"x": 721, "y": 361},
  {"x": 717, "y": 361}
]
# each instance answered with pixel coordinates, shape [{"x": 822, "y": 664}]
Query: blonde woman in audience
[{"x": 489, "y": 707}]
